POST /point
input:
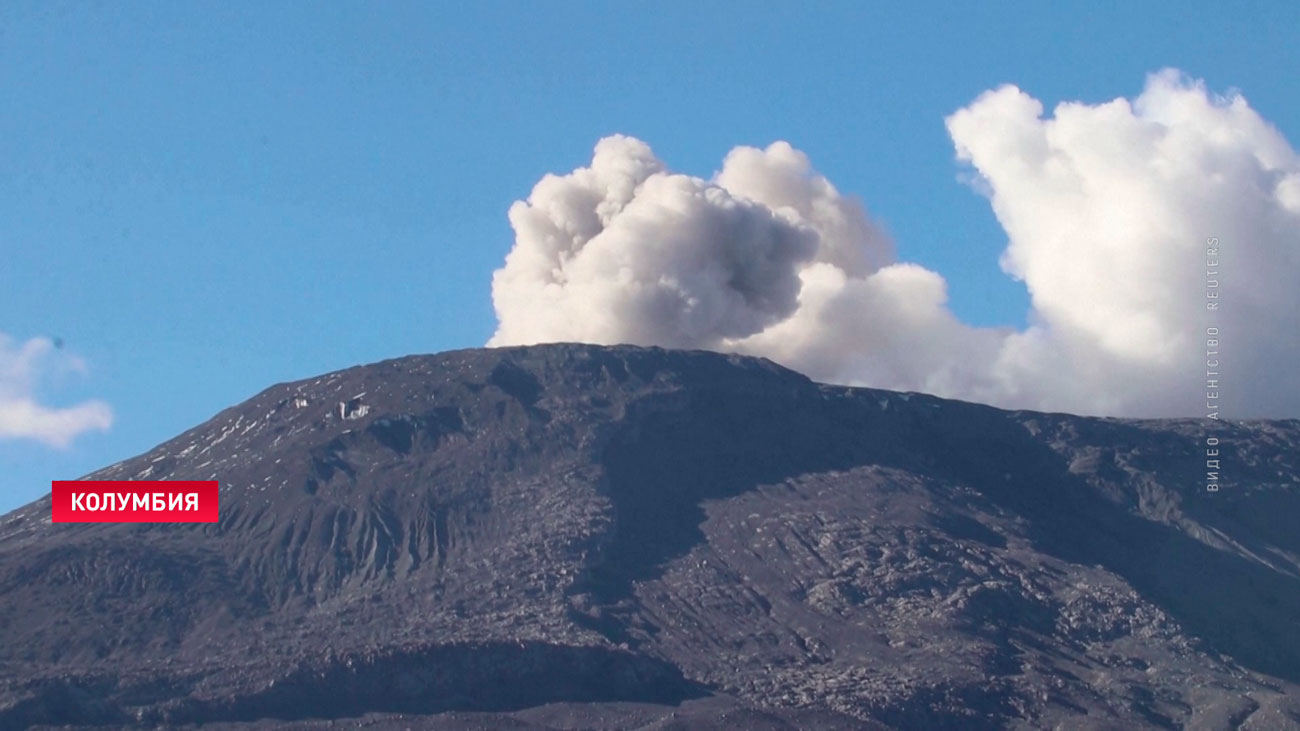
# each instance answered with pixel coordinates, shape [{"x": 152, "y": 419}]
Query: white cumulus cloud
[
  {"x": 22, "y": 416},
  {"x": 1107, "y": 209}
]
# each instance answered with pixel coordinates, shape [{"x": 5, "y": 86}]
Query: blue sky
[{"x": 202, "y": 199}]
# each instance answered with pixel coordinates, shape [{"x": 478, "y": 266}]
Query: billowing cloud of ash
[
  {"x": 1107, "y": 210},
  {"x": 22, "y": 416}
]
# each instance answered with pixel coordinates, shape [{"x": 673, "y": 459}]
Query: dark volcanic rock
[{"x": 573, "y": 536}]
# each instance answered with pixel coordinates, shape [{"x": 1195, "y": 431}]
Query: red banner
[{"x": 139, "y": 501}]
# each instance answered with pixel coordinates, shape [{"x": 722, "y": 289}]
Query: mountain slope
[{"x": 571, "y": 535}]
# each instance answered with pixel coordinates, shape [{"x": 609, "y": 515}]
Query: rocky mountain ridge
[{"x": 570, "y": 536}]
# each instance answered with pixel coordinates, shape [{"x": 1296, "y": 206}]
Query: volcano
[{"x": 572, "y": 536}]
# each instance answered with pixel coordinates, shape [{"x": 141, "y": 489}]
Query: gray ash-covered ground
[{"x": 571, "y": 536}]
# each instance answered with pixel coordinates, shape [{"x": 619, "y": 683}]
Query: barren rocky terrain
[{"x": 568, "y": 536}]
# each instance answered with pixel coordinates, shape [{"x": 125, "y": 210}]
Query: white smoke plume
[
  {"x": 22, "y": 416},
  {"x": 1107, "y": 210}
]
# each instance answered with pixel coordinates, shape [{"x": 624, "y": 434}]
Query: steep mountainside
[{"x": 570, "y": 536}]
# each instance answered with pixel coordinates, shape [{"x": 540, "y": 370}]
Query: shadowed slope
[{"x": 488, "y": 531}]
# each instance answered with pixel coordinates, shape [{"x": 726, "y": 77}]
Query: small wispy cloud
[{"x": 22, "y": 415}]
